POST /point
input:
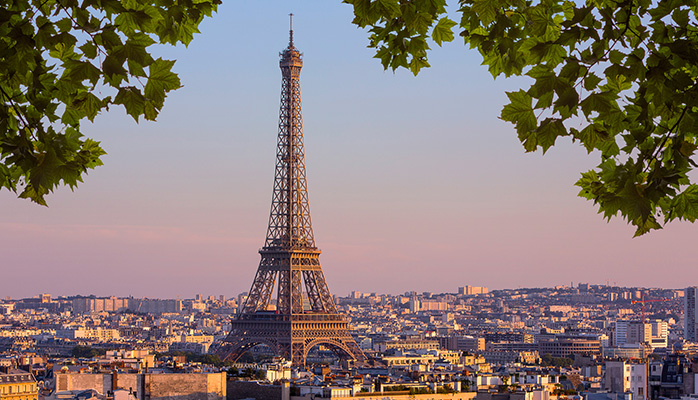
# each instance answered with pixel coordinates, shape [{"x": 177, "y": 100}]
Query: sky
[{"x": 414, "y": 182}]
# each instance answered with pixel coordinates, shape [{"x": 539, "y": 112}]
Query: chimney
[{"x": 114, "y": 380}]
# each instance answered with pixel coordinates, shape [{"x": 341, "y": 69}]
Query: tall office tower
[
  {"x": 620, "y": 333},
  {"x": 305, "y": 314},
  {"x": 690, "y": 305}
]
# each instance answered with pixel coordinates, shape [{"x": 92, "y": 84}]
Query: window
[{"x": 640, "y": 391}]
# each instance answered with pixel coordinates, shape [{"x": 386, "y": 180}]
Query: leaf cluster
[
  {"x": 401, "y": 30},
  {"x": 620, "y": 77},
  {"x": 548, "y": 361},
  {"x": 86, "y": 352},
  {"x": 63, "y": 61}
]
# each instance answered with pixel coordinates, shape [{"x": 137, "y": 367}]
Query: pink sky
[{"x": 415, "y": 184}]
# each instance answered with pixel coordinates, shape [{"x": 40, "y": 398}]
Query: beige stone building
[
  {"x": 149, "y": 386},
  {"x": 18, "y": 385}
]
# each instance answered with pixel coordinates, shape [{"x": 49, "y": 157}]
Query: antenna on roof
[{"x": 290, "y": 42}]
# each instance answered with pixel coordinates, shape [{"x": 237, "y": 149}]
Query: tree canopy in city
[
  {"x": 86, "y": 352},
  {"x": 64, "y": 61},
  {"x": 618, "y": 77}
]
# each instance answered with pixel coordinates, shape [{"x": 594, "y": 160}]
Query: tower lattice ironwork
[{"x": 305, "y": 314}]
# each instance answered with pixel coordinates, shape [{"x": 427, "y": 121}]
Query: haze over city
[{"x": 415, "y": 184}]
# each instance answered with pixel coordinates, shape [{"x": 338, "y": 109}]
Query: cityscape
[
  {"x": 591, "y": 341},
  {"x": 291, "y": 337}
]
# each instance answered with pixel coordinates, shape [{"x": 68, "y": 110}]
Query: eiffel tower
[{"x": 305, "y": 314}]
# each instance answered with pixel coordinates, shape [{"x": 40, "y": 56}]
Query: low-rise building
[
  {"x": 18, "y": 385},
  {"x": 149, "y": 386},
  {"x": 622, "y": 377}
]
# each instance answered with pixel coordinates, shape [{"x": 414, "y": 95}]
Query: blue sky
[{"x": 415, "y": 184}]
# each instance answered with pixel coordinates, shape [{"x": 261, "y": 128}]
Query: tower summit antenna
[{"x": 290, "y": 42}]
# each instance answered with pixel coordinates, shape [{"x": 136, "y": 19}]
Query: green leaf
[
  {"x": 548, "y": 131},
  {"x": 567, "y": 101},
  {"x": 685, "y": 205},
  {"x": 486, "y": 10},
  {"x": 680, "y": 16},
  {"x": 591, "y": 81},
  {"x": 62, "y": 51},
  {"x": 591, "y": 135},
  {"x": 520, "y": 112},
  {"x": 90, "y": 105},
  {"x": 91, "y": 153},
  {"x": 160, "y": 81},
  {"x": 388, "y": 8},
  {"x": 89, "y": 50},
  {"x": 443, "y": 31},
  {"x": 108, "y": 38},
  {"x": 37, "y": 196},
  {"x": 616, "y": 57},
  {"x": 113, "y": 68},
  {"x": 150, "y": 111},
  {"x": 64, "y": 24},
  {"x": 135, "y": 68},
  {"x": 361, "y": 12},
  {"x": 132, "y": 99},
  {"x": 417, "y": 64},
  {"x": 420, "y": 22},
  {"x": 645, "y": 225},
  {"x": 599, "y": 102},
  {"x": 79, "y": 71}
]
